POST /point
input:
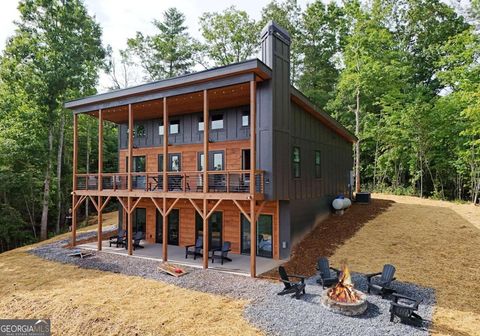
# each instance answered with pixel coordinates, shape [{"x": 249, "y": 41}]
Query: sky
[{"x": 121, "y": 19}]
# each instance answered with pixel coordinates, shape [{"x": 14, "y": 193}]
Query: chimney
[{"x": 276, "y": 49}]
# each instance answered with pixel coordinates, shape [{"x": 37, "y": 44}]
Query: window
[
  {"x": 200, "y": 162},
  {"x": 160, "y": 130},
  {"x": 201, "y": 128},
  {"x": 318, "y": 164},
  {"x": 174, "y": 126},
  {"x": 139, "y": 131},
  {"x": 175, "y": 162},
  {"x": 217, "y": 121},
  {"x": 218, "y": 161},
  {"x": 215, "y": 161},
  {"x": 245, "y": 119},
  {"x": 296, "y": 162}
]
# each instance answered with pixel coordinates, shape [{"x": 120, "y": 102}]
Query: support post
[
  {"x": 253, "y": 223},
  {"x": 74, "y": 173},
  {"x": 100, "y": 182},
  {"x": 100, "y": 223},
  {"x": 206, "y": 126},
  {"x": 166, "y": 126},
  {"x": 130, "y": 146},
  {"x": 130, "y": 226}
]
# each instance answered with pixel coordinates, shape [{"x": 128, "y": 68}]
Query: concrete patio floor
[{"x": 240, "y": 263}]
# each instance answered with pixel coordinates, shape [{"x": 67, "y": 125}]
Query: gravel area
[{"x": 277, "y": 315}]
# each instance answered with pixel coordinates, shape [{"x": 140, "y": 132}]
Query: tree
[
  {"x": 288, "y": 15},
  {"x": 230, "y": 36},
  {"x": 54, "y": 56},
  {"x": 169, "y": 53}
]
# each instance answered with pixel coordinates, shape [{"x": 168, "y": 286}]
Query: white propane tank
[
  {"x": 337, "y": 204},
  {"x": 346, "y": 203}
]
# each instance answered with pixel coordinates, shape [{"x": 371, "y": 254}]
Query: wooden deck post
[
  {"x": 206, "y": 126},
  {"x": 129, "y": 170},
  {"x": 100, "y": 182},
  {"x": 74, "y": 173},
  {"x": 253, "y": 222},
  {"x": 166, "y": 126},
  {"x": 130, "y": 226}
]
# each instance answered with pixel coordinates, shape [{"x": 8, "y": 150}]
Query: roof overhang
[
  {"x": 302, "y": 101},
  {"x": 213, "y": 78}
]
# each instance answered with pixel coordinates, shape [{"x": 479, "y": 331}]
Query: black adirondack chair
[
  {"x": 405, "y": 311},
  {"x": 382, "y": 286},
  {"x": 118, "y": 240},
  {"x": 327, "y": 278},
  {"x": 223, "y": 252},
  {"x": 195, "y": 250},
  {"x": 136, "y": 240},
  {"x": 295, "y": 287}
]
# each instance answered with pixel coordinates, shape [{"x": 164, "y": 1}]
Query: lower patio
[{"x": 240, "y": 263}]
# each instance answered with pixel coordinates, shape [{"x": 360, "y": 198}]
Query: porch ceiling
[{"x": 219, "y": 98}]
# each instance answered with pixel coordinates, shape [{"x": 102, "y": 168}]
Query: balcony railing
[{"x": 237, "y": 181}]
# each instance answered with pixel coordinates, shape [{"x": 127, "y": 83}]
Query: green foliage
[
  {"x": 169, "y": 53},
  {"x": 230, "y": 36},
  {"x": 14, "y": 232}
]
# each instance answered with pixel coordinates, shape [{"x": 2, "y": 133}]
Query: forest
[{"x": 402, "y": 75}]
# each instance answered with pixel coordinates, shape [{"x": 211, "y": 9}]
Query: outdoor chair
[
  {"x": 195, "y": 250},
  {"x": 383, "y": 285},
  {"x": 327, "y": 278},
  {"x": 136, "y": 240},
  {"x": 223, "y": 252},
  {"x": 405, "y": 311},
  {"x": 118, "y": 240},
  {"x": 295, "y": 287}
]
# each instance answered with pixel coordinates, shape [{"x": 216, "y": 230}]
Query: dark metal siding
[{"x": 232, "y": 129}]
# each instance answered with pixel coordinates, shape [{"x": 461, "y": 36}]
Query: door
[
  {"x": 264, "y": 236},
  {"x": 139, "y": 220},
  {"x": 138, "y": 166},
  {"x": 173, "y": 227},
  {"x": 215, "y": 226}
]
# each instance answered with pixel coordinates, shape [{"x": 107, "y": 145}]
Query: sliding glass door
[
  {"x": 215, "y": 225},
  {"x": 173, "y": 227},
  {"x": 264, "y": 236}
]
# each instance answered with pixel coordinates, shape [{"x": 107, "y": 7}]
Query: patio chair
[
  {"x": 327, "y": 278},
  {"x": 195, "y": 250},
  {"x": 223, "y": 252},
  {"x": 118, "y": 240},
  {"x": 405, "y": 311},
  {"x": 136, "y": 240},
  {"x": 383, "y": 285},
  {"x": 296, "y": 287}
]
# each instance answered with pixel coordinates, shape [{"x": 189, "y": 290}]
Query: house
[{"x": 273, "y": 158}]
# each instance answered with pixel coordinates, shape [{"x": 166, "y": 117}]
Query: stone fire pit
[{"x": 345, "y": 308}]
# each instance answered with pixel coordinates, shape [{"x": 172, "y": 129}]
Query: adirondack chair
[
  {"x": 118, "y": 240},
  {"x": 327, "y": 278},
  {"x": 405, "y": 311},
  {"x": 295, "y": 287},
  {"x": 196, "y": 249},
  {"x": 136, "y": 240},
  {"x": 383, "y": 285},
  {"x": 223, "y": 252}
]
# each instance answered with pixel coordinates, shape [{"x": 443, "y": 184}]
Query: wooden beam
[
  {"x": 100, "y": 223},
  {"x": 125, "y": 207},
  {"x": 135, "y": 204},
  {"x": 214, "y": 208},
  {"x": 166, "y": 126},
  {"x": 205, "y": 235},
  {"x": 100, "y": 150},
  {"x": 105, "y": 203},
  {"x": 259, "y": 210},
  {"x": 74, "y": 221},
  {"x": 130, "y": 146},
  {"x": 253, "y": 153},
  {"x": 200, "y": 212},
  {"x": 164, "y": 232},
  {"x": 75, "y": 153},
  {"x": 206, "y": 127},
  {"x": 241, "y": 210},
  {"x": 159, "y": 208},
  {"x": 80, "y": 201},
  {"x": 171, "y": 206},
  {"x": 130, "y": 227},
  {"x": 93, "y": 201}
]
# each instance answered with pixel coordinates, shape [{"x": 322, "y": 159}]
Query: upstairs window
[
  {"x": 318, "y": 164},
  {"x": 139, "y": 131},
  {"x": 245, "y": 119},
  {"x": 160, "y": 128},
  {"x": 174, "y": 126},
  {"x": 201, "y": 127},
  {"x": 217, "y": 121},
  {"x": 296, "y": 162}
]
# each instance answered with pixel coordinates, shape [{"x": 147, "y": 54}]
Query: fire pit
[{"x": 343, "y": 298}]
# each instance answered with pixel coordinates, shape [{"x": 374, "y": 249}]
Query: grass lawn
[{"x": 89, "y": 302}]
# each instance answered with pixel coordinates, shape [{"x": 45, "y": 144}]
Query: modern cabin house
[{"x": 274, "y": 162}]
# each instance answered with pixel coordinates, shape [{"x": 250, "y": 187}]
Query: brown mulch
[{"x": 328, "y": 235}]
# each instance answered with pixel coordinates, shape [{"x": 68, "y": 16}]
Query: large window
[
  {"x": 214, "y": 229},
  {"x": 138, "y": 166},
  {"x": 201, "y": 127},
  {"x": 264, "y": 236},
  {"x": 215, "y": 161},
  {"x": 139, "y": 131},
  {"x": 139, "y": 220},
  {"x": 160, "y": 128},
  {"x": 245, "y": 118},
  {"x": 296, "y": 162},
  {"x": 217, "y": 121},
  {"x": 174, "y": 126},
  {"x": 318, "y": 164},
  {"x": 174, "y": 163}
]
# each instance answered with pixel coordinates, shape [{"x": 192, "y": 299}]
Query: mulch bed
[{"x": 328, "y": 235}]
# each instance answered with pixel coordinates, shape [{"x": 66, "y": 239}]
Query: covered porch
[{"x": 240, "y": 263}]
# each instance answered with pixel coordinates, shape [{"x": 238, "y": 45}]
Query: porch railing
[{"x": 231, "y": 181}]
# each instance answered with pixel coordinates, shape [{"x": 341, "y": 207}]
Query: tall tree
[
  {"x": 54, "y": 56},
  {"x": 230, "y": 36},
  {"x": 169, "y": 53}
]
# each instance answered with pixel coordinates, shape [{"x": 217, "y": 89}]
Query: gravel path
[{"x": 277, "y": 315}]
